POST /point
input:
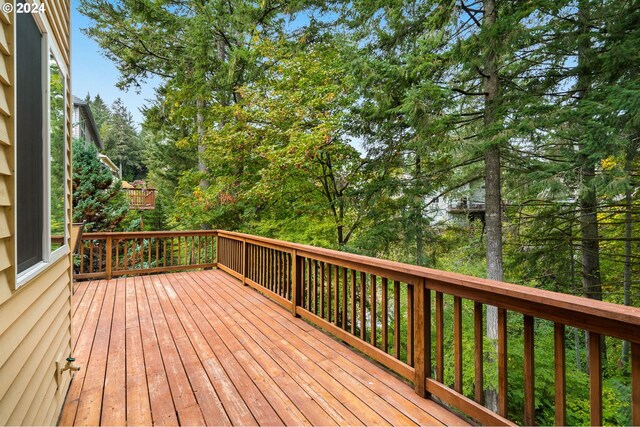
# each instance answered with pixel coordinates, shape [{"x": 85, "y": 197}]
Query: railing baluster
[
  {"x": 410, "y": 321},
  {"x": 385, "y": 314},
  {"x": 353, "y": 302},
  {"x": 90, "y": 256},
  {"x": 336, "y": 298},
  {"x": 108, "y": 259},
  {"x": 560, "y": 374},
  {"x": 439, "y": 337},
  {"x": 100, "y": 250},
  {"x": 420, "y": 329},
  {"x": 529, "y": 371},
  {"x": 479, "y": 353},
  {"x": 595, "y": 378},
  {"x": 329, "y": 291},
  {"x": 81, "y": 257},
  {"x": 457, "y": 346},
  {"x": 322, "y": 291},
  {"x": 374, "y": 310},
  {"x": 297, "y": 276},
  {"x": 344, "y": 298},
  {"x": 396, "y": 319},
  {"x": 363, "y": 308},
  {"x": 635, "y": 384},
  {"x": 502, "y": 362}
]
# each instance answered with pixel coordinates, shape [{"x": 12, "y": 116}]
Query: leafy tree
[{"x": 97, "y": 199}]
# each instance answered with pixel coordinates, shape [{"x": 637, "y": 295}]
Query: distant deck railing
[
  {"x": 141, "y": 199},
  {"x": 388, "y": 310}
]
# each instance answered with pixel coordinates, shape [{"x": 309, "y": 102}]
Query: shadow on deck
[{"x": 200, "y": 348}]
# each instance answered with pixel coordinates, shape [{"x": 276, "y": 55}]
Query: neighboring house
[
  {"x": 460, "y": 207},
  {"x": 35, "y": 206},
  {"x": 85, "y": 128}
]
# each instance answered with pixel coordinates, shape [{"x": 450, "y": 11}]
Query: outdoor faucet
[{"x": 70, "y": 366}]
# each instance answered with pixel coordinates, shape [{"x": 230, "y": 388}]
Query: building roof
[
  {"x": 108, "y": 162},
  {"x": 93, "y": 128}
]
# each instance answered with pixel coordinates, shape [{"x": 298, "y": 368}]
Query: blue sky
[{"x": 93, "y": 73}]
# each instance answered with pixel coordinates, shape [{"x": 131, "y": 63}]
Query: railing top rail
[
  {"x": 610, "y": 319},
  {"x": 140, "y": 189},
  {"x": 143, "y": 234}
]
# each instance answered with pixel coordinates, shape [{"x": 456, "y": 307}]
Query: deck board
[{"x": 200, "y": 348}]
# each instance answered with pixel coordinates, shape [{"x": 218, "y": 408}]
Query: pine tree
[
  {"x": 97, "y": 199},
  {"x": 122, "y": 142}
]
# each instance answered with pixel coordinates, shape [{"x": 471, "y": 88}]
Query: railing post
[
  {"x": 109, "y": 250},
  {"x": 422, "y": 336},
  {"x": 296, "y": 285}
]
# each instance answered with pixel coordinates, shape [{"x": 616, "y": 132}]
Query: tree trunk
[
  {"x": 417, "y": 213},
  {"x": 492, "y": 183},
  {"x": 628, "y": 234},
  {"x": 202, "y": 166},
  {"x": 590, "y": 244}
]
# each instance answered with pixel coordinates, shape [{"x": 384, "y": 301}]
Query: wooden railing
[
  {"x": 106, "y": 255},
  {"x": 360, "y": 300},
  {"x": 394, "y": 313},
  {"x": 140, "y": 198}
]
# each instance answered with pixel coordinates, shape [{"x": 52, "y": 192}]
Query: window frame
[{"x": 50, "y": 49}]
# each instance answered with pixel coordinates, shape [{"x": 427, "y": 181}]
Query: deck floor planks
[
  {"x": 335, "y": 377},
  {"x": 83, "y": 304},
  {"x": 196, "y": 347},
  {"x": 305, "y": 380},
  {"x": 181, "y": 391},
  {"x": 293, "y": 401},
  {"x": 82, "y": 349},
  {"x": 160, "y": 400},
  {"x": 203, "y": 390},
  {"x": 138, "y": 408},
  {"x": 115, "y": 391},
  {"x": 251, "y": 394},
  {"x": 288, "y": 413},
  {"x": 90, "y": 404},
  {"x": 344, "y": 360},
  {"x": 366, "y": 412}
]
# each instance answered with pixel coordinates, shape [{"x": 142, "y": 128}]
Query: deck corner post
[
  {"x": 296, "y": 285},
  {"x": 422, "y": 336},
  {"x": 108, "y": 264}
]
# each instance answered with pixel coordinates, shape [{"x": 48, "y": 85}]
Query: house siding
[{"x": 35, "y": 318}]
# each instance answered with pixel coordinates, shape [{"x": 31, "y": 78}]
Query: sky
[{"x": 92, "y": 73}]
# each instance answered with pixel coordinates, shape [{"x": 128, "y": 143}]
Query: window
[
  {"x": 40, "y": 146},
  {"x": 29, "y": 142}
]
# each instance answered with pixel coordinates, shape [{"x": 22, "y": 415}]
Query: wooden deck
[{"x": 199, "y": 348}]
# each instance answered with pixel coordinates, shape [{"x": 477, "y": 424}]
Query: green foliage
[
  {"x": 122, "y": 143},
  {"x": 349, "y": 135},
  {"x": 97, "y": 199}
]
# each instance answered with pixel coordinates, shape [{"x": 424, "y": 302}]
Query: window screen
[{"x": 30, "y": 143}]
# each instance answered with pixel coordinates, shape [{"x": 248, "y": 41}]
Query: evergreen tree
[
  {"x": 97, "y": 199},
  {"x": 122, "y": 142},
  {"x": 100, "y": 111}
]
